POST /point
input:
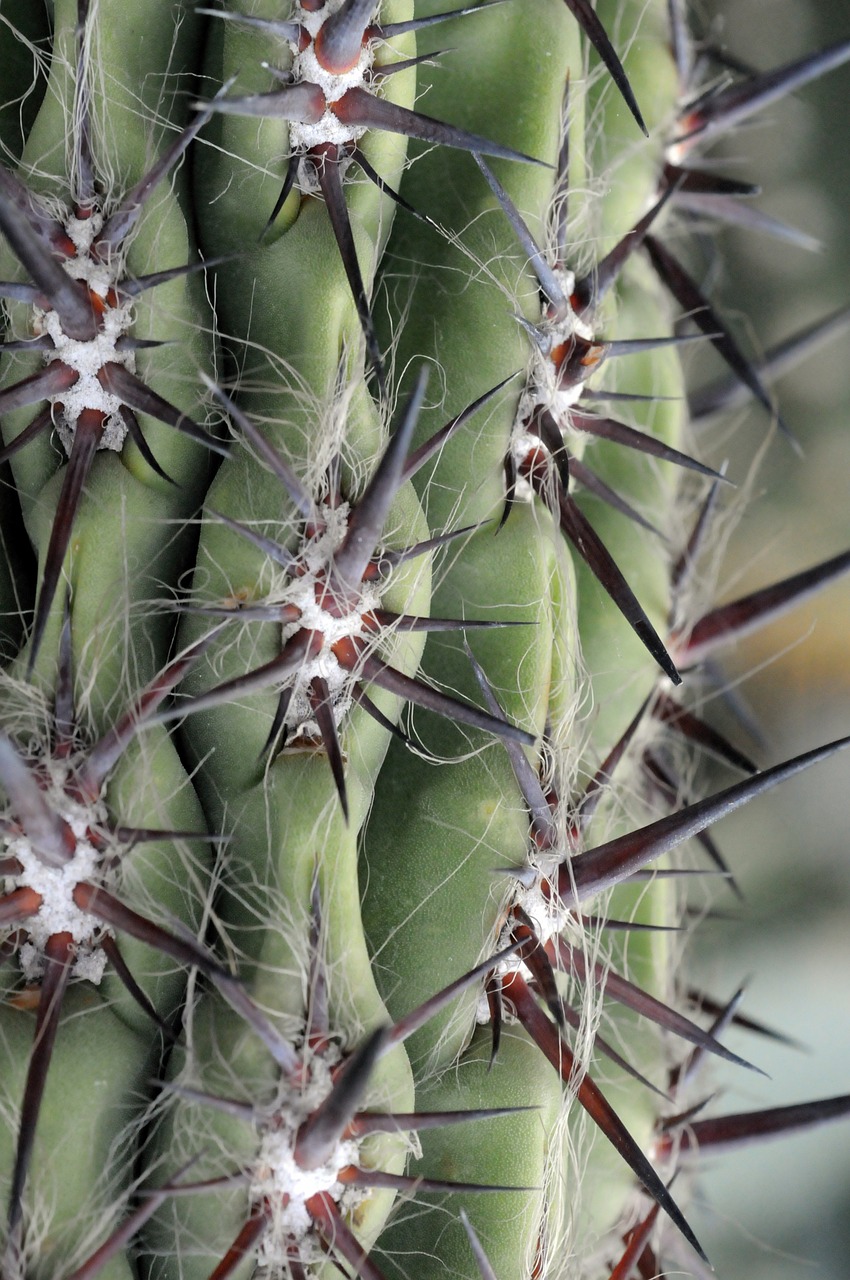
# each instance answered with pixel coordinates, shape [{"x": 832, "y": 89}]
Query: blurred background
[{"x": 783, "y": 1213}]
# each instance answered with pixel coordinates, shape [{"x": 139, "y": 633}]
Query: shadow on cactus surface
[{"x": 359, "y": 532}]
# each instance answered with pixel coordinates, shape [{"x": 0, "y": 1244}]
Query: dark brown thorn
[
  {"x": 82, "y": 164},
  {"x": 339, "y": 40},
  {"x": 106, "y": 907},
  {"x": 288, "y": 31},
  {"x": 19, "y": 904},
  {"x": 560, "y": 199},
  {"x": 283, "y": 195},
  {"x": 120, "y": 223},
  {"x": 108, "y": 750},
  {"x": 391, "y": 559},
  {"x": 360, "y": 108},
  {"x": 277, "y": 735},
  {"x": 58, "y": 956},
  {"x": 290, "y": 658},
  {"x": 731, "y": 622},
  {"x": 590, "y": 481},
  {"x": 684, "y": 566},
  {"x": 591, "y": 289},
  {"x": 573, "y": 1018},
  {"x": 40, "y": 422},
  {"x": 411, "y": 1022},
  {"x": 545, "y": 1034},
  {"x": 414, "y": 1121},
  {"x": 321, "y": 705},
  {"x": 496, "y": 1009},
  {"x": 679, "y": 1075},
  {"x": 387, "y": 69},
  {"x": 481, "y": 1259},
  {"x": 342, "y": 1241},
  {"x": 320, "y": 1133},
  {"x": 365, "y": 702},
  {"x": 67, "y": 296},
  {"x": 620, "y": 347},
  {"x": 50, "y": 835},
  {"x": 49, "y": 381},
  {"x": 370, "y": 512},
  {"x": 132, "y": 287},
  {"x": 717, "y": 112},
  {"x": 641, "y": 1002},
  {"x": 15, "y": 345},
  {"x": 714, "y": 1008},
  {"x": 330, "y": 182},
  {"x": 112, "y": 952},
  {"x": 298, "y": 494},
  {"x": 536, "y": 959},
  {"x": 227, "y": 1106},
  {"x": 599, "y": 395},
  {"x": 132, "y": 391},
  {"x": 637, "y": 1240},
  {"x": 64, "y": 713},
  {"x": 729, "y": 393},
  {"x": 695, "y": 730},
  {"x": 434, "y": 443},
  {"x": 18, "y": 292},
  {"x": 126, "y": 1230},
  {"x": 731, "y": 211},
  {"x": 527, "y": 777},
  {"x": 702, "y": 182},
  {"x": 301, "y": 103},
  {"x": 247, "y": 1237},
  {"x": 409, "y": 622},
  {"x": 614, "y": 861},
  {"x": 544, "y": 425},
  {"x": 145, "y": 835},
  {"x": 546, "y": 277},
  {"x": 134, "y": 431},
  {"x": 586, "y": 17},
  {"x": 409, "y": 1182},
  {"x": 388, "y": 30},
  {"x": 619, "y": 433},
  {"x": 682, "y": 48},
  {"x": 511, "y": 479},
  {"x": 318, "y": 1017},
  {"x": 690, "y": 297},
  {"x": 281, "y": 555},
  {"x": 375, "y": 671},
  {"x": 32, "y": 211},
  {"x": 11, "y": 866},
  {"x": 671, "y": 790},
  {"x": 628, "y": 926},
  {"x": 593, "y": 792},
  {"x": 576, "y": 527},
  {"x": 722, "y": 1133},
  {"x": 384, "y": 187}
]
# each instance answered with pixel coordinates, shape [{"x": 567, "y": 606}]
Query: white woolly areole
[
  {"x": 281, "y": 1185},
  {"x": 87, "y": 358},
  {"x": 317, "y": 557},
  {"x": 306, "y": 69},
  {"x": 548, "y": 917},
  {"x": 542, "y": 390},
  {"x": 58, "y": 912}
]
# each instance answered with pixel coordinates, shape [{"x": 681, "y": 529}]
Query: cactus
[{"x": 354, "y": 635}]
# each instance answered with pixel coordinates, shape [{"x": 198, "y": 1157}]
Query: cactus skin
[{"x": 293, "y": 885}]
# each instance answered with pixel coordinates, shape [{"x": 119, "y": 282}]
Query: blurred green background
[{"x": 783, "y": 1213}]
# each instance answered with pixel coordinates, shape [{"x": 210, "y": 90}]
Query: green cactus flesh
[{"x": 349, "y": 549}]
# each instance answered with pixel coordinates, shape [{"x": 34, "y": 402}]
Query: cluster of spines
[{"x": 585, "y": 873}]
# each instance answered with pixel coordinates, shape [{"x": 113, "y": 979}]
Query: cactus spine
[{"x": 327, "y": 701}]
